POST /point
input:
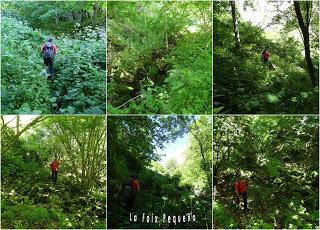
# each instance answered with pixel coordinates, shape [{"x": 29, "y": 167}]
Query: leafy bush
[
  {"x": 24, "y": 89},
  {"x": 79, "y": 83},
  {"x": 79, "y": 86},
  {"x": 160, "y": 62}
]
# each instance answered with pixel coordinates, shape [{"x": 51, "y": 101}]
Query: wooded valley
[
  {"x": 286, "y": 81},
  {"x": 159, "y": 57},
  {"x": 172, "y": 189},
  {"x": 78, "y": 30},
  {"x": 30, "y": 198},
  {"x": 279, "y": 159}
]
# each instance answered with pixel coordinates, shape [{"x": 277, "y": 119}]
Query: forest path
[{"x": 235, "y": 213}]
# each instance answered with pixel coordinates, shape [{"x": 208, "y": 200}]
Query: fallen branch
[{"x": 129, "y": 101}]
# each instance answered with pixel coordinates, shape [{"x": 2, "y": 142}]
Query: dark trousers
[
  {"x": 130, "y": 201},
  {"x": 49, "y": 63},
  {"x": 54, "y": 175},
  {"x": 245, "y": 199}
]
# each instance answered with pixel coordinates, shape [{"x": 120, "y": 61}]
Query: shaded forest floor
[
  {"x": 79, "y": 82},
  {"x": 157, "y": 62},
  {"x": 30, "y": 199},
  {"x": 244, "y": 84},
  {"x": 289, "y": 205},
  {"x": 160, "y": 195}
]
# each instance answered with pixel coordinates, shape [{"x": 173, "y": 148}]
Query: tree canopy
[
  {"x": 170, "y": 189},
  {"x": 159, "y": 57},
  {"x": 279, "y": 157},
  {"x": 28, "y": 198},
  {"x": 287, "y": 83}
]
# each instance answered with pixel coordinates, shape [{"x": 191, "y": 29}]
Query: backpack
[{"x": 48, "y": 50}]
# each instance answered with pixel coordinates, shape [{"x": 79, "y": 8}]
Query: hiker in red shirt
[
  {"x": 241, "y": 190},
  {"x": 54, "y": 169},
  {"x": 135, "y": 186},
  {"x": 265, "y": 56},
  {"x": 131, "y": 194},
  {"x": 49, "y": 51}
]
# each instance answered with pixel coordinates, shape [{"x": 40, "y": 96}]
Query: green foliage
[
  {"x": 279, "y": 157},
  {"x": 245, "y": 85},
  {"x": 154, "y": 57},
  {"x": 164, "y": 190},
  {"x": 58, "y": 17},
  {"x": 24, "y": 90},
  {"x": 79, "y": 82},
  {"x": 79, "y": 85},
  {"x": 29, "y": 199}
]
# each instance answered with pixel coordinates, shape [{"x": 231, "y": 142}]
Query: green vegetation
[
  {"x": 173, "y": 189},
  {"x": 243, "y": 84},
  {"x": 279, "y": 156},
  {"x": 79, "y": 83},
  {"x": 160, "y": 57},
  {"x": 29, "y": 198}
]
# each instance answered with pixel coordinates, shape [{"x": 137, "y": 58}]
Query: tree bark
[
  {"x": 235, "y": 25},
  {"x": 95, "y": 13},
  {"x": 17, "y": 124},
  {"x": 304, "y": 26}
]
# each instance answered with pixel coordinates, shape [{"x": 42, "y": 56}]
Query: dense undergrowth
[
  {"x": 159, "y": 61},
  {"x": 171, "y": 189},
  {"x": 79, "y": 82},
  {"x": 30, "y": 199},
  {"x": 243, "y": 84},
  {"x": 278, "y": 156}
]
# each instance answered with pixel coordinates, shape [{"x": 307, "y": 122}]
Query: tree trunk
[
  {"x": 167, "y": 42},
  {"x": 235, "y": 24},
  {"x": 95, "y": 13},
  {"x": 304, "y": 26},
  {"x": 17, "y": 124}
]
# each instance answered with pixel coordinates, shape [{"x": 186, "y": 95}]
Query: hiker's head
[
  {"x": 55, "y": 159},
  {"x": 133, "y": 177},
  {"x": 265, "y": 50},
  {"x": 49, "y": 39}
]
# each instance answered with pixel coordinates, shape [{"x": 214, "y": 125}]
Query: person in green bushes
[
  {"x": 240, "y": 188},
  {"x": 130, "y": 197},
  {"x": 54, "y": 169},
  {"x": 49, "y": 51}
]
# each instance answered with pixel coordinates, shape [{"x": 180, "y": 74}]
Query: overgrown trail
[
  {"x": 79, "y": 83},
  {"x": 277, "y": 157},
  {"x": 243, "y": 84},
  {"x": 169, "y": 191},
  {"x": 29, "y": 197},
  {"x": 159, "y": 58}
]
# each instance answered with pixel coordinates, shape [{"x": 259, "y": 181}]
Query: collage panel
[
  {"x": 53, "y": 57},
  {"x": 266, "y": 172},
  {"x": 53, "y": 172},
  {"x": 266, "y": 57},
  {"x": 159, "y": 172},
  {"x": 159, "y": 57},
  {"x": 165, "y": 156}
]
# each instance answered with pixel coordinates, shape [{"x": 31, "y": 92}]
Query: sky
[
  {"x": 261, "y": 16},
  {"x": 24, "y": 119},
  {"x": 262, "y": 13},
  {"x": 174, "y": 151}
]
